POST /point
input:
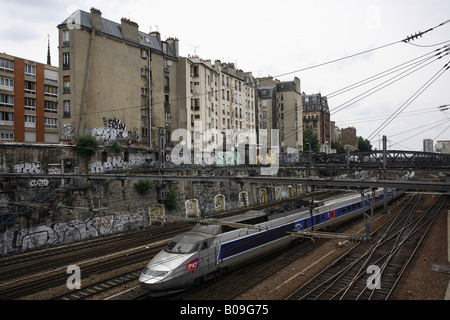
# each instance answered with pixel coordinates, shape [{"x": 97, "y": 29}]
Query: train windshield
[{"x": 183, "y": 244}]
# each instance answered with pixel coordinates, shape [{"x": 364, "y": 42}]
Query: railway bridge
[{"x": 392, "y": 158}]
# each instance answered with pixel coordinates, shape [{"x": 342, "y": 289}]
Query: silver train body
[{"x": 207, "y": 251}]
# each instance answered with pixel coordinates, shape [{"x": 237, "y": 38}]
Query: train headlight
[{"x": 155, "y": 273}]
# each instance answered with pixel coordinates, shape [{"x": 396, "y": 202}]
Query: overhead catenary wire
[
  {"x": 385, "y": 116},
  {"x": 408, "y": 39},
  {"x": 409, "y": 101},
  {"x": 382, "y": 86},
  {"x": 438, "y": 52}
]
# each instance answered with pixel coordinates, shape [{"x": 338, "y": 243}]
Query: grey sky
[{"x": 275, "y": 38}]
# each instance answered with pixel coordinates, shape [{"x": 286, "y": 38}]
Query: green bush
[
  {"x": 117, "y": 147},
  {"x": 86, "y": 146},
  {"x": 171, "y": 200},
  {"x": 143, "y": 186}
]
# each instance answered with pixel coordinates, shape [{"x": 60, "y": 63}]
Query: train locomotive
[{"x": 209, "y": 250}]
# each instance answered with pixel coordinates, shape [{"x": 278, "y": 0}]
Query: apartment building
[
  {"x": 214, "y": 99},
  {"x": 349, "y": 137},
  {"x": 28, "y": 100},
  {"x": 117, "y": 83},
  {"x": 280, "y": 107},
  {"x": 316, "y": 115}
]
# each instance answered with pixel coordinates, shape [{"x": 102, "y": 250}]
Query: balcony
[{"x": 6, "y": 123}]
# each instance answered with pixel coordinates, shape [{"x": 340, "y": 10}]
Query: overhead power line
[
  {"x": 410, "y": 100},
  {"x": 408, "y": 39},
  {"x": 381, "y": 86}
]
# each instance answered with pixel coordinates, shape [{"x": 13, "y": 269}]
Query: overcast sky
[{"x": 287, "y": 39}]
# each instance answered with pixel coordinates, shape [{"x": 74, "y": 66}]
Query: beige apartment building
[
  {"x": 214, "y": 99},
  {"x": 117, "y": 83},
  {"x": 280, "y": 107}
]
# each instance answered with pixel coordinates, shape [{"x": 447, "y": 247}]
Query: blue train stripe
[{"x": 241, "y": 245}]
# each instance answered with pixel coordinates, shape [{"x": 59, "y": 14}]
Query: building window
[
  {"x": 6, "y": 65},
  {"x": 168, "y": 119},
  {"x": 6, "y": 118},
  {"x": 30, "y": 87},
  {"x": 144, "y": 72},
  {"x": 50, "y": 123},
  {"x": 66, "y": 84},
  {"x": 51, "y": 91},
  {"x": 66, "y": 38},
  {"x": 30, "y": 104},
  {"x": 196, "y": 104},
  {"x": 5, "y": 135},
  {"x": 6, "y": 83},
  {"x": 6, "y": 101},
  {"x": 66, "y": 60},
  {"x": 30, "y": 121},
  {"x": 51, "y": 106},
  {"x": 166, "y": 84},
  {"x": 66, "y": 111},
  {"x": 30, "y": 71}
]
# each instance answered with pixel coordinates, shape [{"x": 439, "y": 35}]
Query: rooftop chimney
[
  {"x": 174, "y": 43},
  {"x": 130, "y": 29},
  {"x": 96, "y": 19}
]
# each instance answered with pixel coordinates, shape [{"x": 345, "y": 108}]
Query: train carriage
[{"x": 209, "y": 250}]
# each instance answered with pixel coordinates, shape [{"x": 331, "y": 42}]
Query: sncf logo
[{"x": 192, "y": 265}]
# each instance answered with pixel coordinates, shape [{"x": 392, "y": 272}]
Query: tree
[
  {"x": 171, "y": 200},
  {"x": 86, "y": 146},
  {"x": 142, "y": 186},
  {"x": 310, "y": 137},
  {"x": 337, "y": 146},
  {"x": 364, "y": 144}
]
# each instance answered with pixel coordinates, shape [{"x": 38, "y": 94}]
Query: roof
[
  {"x": 82, "y": 19},
  {"x": 265, "y": 92}
]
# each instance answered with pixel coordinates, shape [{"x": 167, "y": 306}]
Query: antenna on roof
[
  {"x": 195, "y": 49},
  {"x": 49, "y": 62}
]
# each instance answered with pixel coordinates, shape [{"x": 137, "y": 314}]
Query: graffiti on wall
[
  {"x": 27, "y": 167},
  {"x": 117, "y": 130},
  {"x": 19, "y": 239},
  {"x": 117, "y": 163},
  {"x": 67, "y": 132}
]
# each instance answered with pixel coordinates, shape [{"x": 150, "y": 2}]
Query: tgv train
[{"x": 207, "y": 251}]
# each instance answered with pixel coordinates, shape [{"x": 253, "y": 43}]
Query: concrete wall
[{"x": 45, "y": 212}]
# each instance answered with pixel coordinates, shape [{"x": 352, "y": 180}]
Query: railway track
[
  {"x": 47, "y": 268},
  {"x": 236, "y": 282},
  {"x": 231, "y": 285},
  {"x": 385, "y": 257},
  {"x": 93, "y": 259}
]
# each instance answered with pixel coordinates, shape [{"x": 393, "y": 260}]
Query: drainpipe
[
  {"x": 86, "y": 83},
  {"x": 149, "y": 102}
]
